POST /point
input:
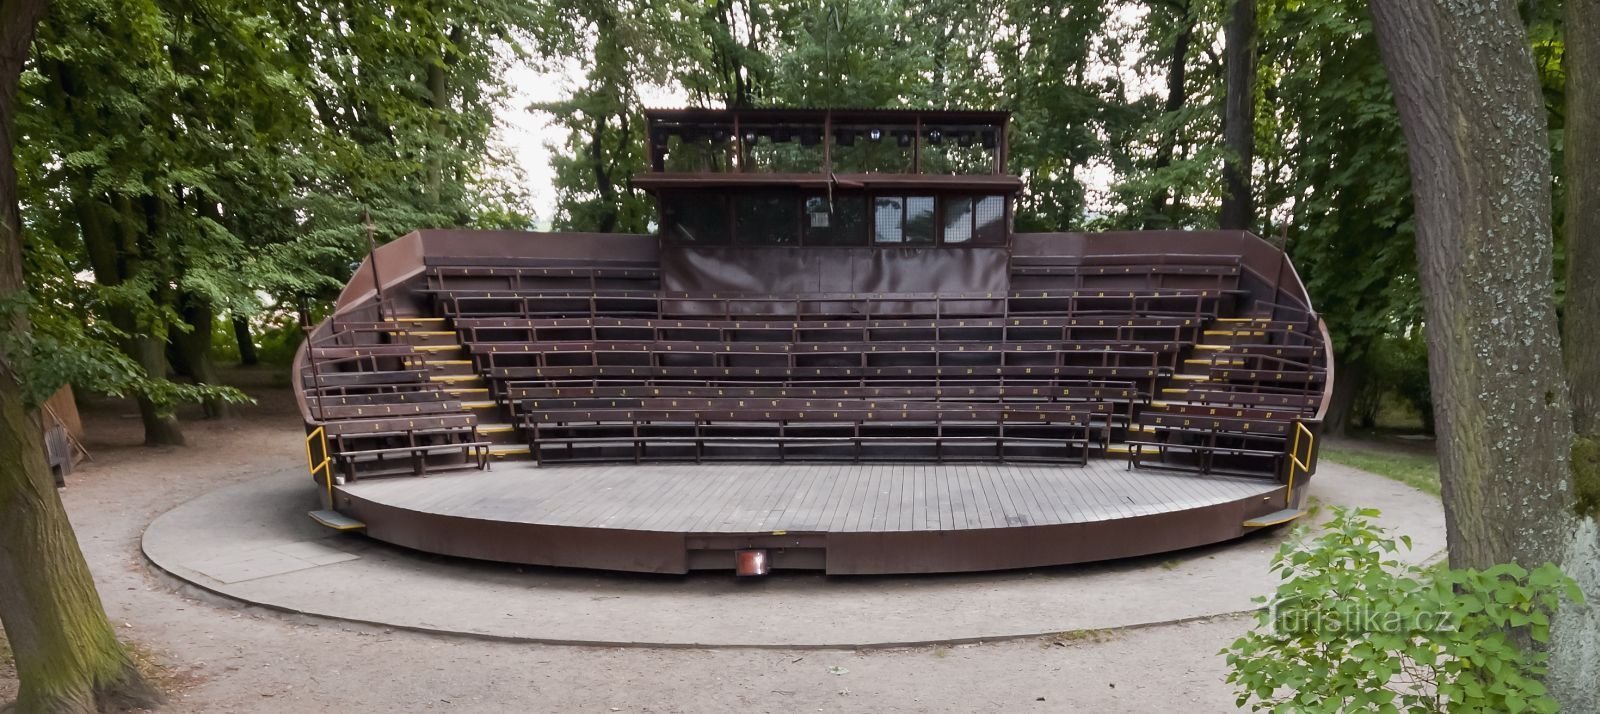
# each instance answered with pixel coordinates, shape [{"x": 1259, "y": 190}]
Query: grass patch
[{"x": 1418, "y": 471}]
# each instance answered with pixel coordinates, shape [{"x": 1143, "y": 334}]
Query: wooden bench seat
[
  {"x": 357, "y": 439},
  {"x": 1045, "y": 432},
  {"x": 1207, "y": 436},
  {"x": 1305, "y": 403}
]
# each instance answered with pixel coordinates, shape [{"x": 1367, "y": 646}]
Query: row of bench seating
[
  {"x": 702, "y": 429},
  {"x": 376, "y": 404}
]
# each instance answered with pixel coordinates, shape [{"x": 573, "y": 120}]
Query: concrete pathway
[{"x": 252, "y": 541}]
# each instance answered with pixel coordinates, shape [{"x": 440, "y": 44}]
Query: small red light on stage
[{"x": 750, "y": 562}]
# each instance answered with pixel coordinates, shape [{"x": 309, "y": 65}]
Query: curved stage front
[{"x": 839, "y": 518}]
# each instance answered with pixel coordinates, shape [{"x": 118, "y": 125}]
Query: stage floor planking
[{"x": 806, "y": 497}]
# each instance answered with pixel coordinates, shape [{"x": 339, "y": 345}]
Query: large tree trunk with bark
[
  {"x": 1239, "y": 117},
  {"x": 67, "y": 656},
  {"x": 1464, "y": 82},
  {"x": 1582, "y": 320}
]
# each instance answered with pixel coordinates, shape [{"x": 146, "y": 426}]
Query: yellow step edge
[
  {"x": 1175, "y": 390},
  {"x": 1214, "y": 348},
  {"x": 449, "y": 361},
  {"x": 419, "y": 319},
  {"x": 1235, "y": 333},
  {"x": 1193, "y": 377},
  {"x": 435, "y": 348},
  {"x": 1160, "y": 405},
  {"x": 427, "y": 332},
  {"x": 509, "y": 450},
  {"x": 1117, "y": 449},
  {"x": 459, "y": 390},
  {"x": 1272, "y": 519},
  {"x": 480, "y": 405},
  {"x": 1217, "y": 361},
  {"x": 494, "y": 428},
  {"x": 452, "y": 377}
]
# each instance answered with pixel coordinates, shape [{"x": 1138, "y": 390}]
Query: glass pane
[
  {"x": 695, "y": 220},
  {"x": 991, "y": 221},
  {"x": 919, "y": 219},
  {"x": 887, "y": 214},
  {"x": 957, "y": 219},
  {"x": 762, "y": 219},
  {"x": 845, "y": 224}
]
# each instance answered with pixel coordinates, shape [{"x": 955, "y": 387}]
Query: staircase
[{"x": 450, "y": 366}]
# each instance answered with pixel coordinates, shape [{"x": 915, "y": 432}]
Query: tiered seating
[
  {"x": 1238, "y": 415},
  {"x": 593, "y": 361},
  {"x": 377, "y": 405},
  {"x": 641, "y": 374}
]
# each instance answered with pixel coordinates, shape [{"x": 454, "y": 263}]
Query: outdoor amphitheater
[{"x": 834, "y": 354}]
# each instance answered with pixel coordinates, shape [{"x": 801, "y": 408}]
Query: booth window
[
  {"x": 841, "y": 221},
  {"x": 695, "y": 219},
  {"x": 903, "y": 219},
  {"x": 766, "y": 219},
  {"x": 974, "y": 220}
]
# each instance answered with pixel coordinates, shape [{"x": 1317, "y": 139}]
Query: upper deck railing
[{"x": 828, "y": 141}]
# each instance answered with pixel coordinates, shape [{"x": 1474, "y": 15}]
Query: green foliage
[
  {"x": 203, "y": 159},
  {"x": 1353, "y": 629},
  {"x": 1396, "y": 366}
]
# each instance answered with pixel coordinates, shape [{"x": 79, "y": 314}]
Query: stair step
[
  {"x": 515, "y": 450},
  {"x": 1214, "y": 348},
  {"x": 1234, "y": 333},
  {"x": 1225, "y": 362},
  {"x": 439, "y": 348},
  {"x": 480, "y": 405},
  {"x": 337, "y": 521},
  {"x": 1193, "y": 377},
  {"x": 453, "y": 378},
  {"x": 495, "y": 428},
  {"x": 1175, "y": 390},
  {"x": 1274, "y": 518}
]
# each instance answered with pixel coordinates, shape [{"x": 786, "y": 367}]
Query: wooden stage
[{"x": 841, "y": 518}]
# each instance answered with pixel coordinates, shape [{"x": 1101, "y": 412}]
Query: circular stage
[
  {"x": 253, "y": 542},
  {"x": 841, "y": 519}
]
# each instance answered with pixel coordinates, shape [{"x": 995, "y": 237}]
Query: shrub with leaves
[{"x": 1352, "y": 628}]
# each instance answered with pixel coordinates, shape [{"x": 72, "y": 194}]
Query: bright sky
[{"x": 527, "y": 135}]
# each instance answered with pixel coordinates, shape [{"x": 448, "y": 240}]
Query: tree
[
  {"x": 1582, "y": 318},
  {"x": 1468, "y": 97},
  {"x": 1334, "y": 175},
  {"x": 1239, "y": 117},
  {"x": 67, "y": 655}
]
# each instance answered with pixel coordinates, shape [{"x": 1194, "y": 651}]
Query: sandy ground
[{"x": 218, "y": 657}]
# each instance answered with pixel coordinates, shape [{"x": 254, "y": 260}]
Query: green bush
[{"x": 1351, "y": 628}]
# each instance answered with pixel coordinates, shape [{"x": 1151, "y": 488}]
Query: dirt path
[{"x": 223, "y": 658}]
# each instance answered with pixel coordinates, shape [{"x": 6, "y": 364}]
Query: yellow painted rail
[{"x": 1296, "y": 460}]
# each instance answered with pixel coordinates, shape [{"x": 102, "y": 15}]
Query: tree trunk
[
  {"x": 1239, "y": 118},
  {"x": 160, "y": 424},
  {"x": 1582, "y": 319},
  {"x": 1177, "y": 95},
  {"x": 195, "y": 348},
  {"x": 1352, "y": 377},
  {"x": 1469, "y": 103},
  {"x": 247, "y": 343},
  {"x": 67, "y": 656}
]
